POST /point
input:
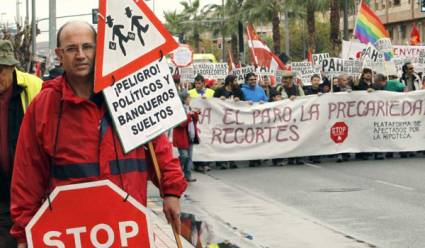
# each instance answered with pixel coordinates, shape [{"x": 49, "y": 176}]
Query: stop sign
[
  {"x": 339, "y": 132},
  {"x": 92, "y": 214}
]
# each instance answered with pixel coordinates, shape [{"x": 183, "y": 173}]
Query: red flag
[
  {"x": 414, "y": 36},
  {"x": 261, "y": 54},
  {"x": 310, "y": 56}
]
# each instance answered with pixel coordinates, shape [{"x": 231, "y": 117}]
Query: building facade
[{"x": 398, "y": 16}]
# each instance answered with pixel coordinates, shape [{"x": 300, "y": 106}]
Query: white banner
[
  {"x": 344, "y": 122},
  {"x": 354, "y": 50}
]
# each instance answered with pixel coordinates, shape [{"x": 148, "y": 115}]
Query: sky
[{"x": 74, "y": 7}]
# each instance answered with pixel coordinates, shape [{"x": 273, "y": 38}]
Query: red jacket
[
  {"x": 85, "y": 151},
  {"x": 181, "y": 133}
]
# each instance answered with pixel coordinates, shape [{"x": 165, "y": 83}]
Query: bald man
[{"x": 66, "y": 137}]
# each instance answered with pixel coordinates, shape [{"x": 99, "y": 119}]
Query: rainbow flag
[{"x": 368, "y": 26}]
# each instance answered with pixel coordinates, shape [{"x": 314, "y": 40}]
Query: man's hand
[
  {"x": 22, "y": 245},
  {"x": 222, "y": 98},
  {"x": 292, "y": 97},
  {"x": 236, "y": 99},
  {"x": 171, "y": 208}
]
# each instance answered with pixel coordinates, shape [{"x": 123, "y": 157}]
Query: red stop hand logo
[{"x": 339, "y": 132}]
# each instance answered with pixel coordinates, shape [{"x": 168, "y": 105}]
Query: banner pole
[{"x": 158, "y": 177}]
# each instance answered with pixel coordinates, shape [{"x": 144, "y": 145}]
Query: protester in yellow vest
[
  {"x": 17, "y": 89},
  {"x": 200, "y": 90}
]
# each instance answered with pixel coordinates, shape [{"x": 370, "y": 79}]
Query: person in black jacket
[
  {"x": 266, "y": 84},
  {"x": 314, "y": 89},
  {"x": 230, "y": 89},
  {"x": 365, "y": 82}
]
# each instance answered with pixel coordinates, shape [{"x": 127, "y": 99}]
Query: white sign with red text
[{"x": 94, "y": 214}]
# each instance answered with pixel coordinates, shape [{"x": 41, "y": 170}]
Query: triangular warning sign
[{"x": 129, "y": 37}]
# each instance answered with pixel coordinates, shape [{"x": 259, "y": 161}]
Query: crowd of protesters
[{"x": 260, "y": 89}]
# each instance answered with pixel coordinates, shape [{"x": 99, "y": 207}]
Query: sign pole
[{"x": 158, "y": 177}]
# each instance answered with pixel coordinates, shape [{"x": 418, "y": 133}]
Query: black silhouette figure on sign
[
  {"x": 116, "y": 31},
  {"x": 135, "y": 22}
]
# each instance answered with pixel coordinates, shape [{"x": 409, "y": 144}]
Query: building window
[
  {"x": 396, "y": 2},
  {"x": 391, "y": 31},
  {"x": 403, "y": 31}
]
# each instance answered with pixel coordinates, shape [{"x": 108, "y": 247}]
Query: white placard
[
  {"x": 144, "y": 104},
  {"x": 318, "y": 58},
  {"x": 211, "y": 70},
  {"x": 380, "y": 121},
  {"x": 305, "y": 71},
  {"x": 182, "y": 56},
  {"x": 240, "y": 73},
  {"x": 333, "y": 66}
]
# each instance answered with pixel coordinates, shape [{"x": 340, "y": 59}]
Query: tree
[
  {"x": 229, "y": 27},
  {"x": 194, "y": 17},
  {"x": 21, "y": 43},
  {"x": 175, "y": 24},
  {"x": 335, "y": 31},
  {"x": 265, "y": 12}
]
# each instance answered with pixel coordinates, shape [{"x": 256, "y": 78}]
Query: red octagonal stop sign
[
  {"x": 92, "y": 214},
  {"x": 339, "y": 132}
]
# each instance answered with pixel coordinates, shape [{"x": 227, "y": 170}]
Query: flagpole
[{"x": 158, "y": 177}]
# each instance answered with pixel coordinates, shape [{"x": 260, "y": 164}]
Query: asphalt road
[{"x": 352, "y": 204}]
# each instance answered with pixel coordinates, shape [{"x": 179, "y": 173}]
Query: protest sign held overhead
[
  {"x": 353, "y": 67},
  {"x": 384, "y": 46},
  {"x": 92, "y": 214},
  {"x": 264, "y": 71},
  {"x": 304, "y": 71},
  {"x": 371, "y": 53},
  {"x": 240, "y": 73},
  {"x": 187, "y": 74},
  {"x": 211, "y": 70},
  {"x": 144, "y": 104},
  {"x": 129, "y": 37},
  {"x": 182, "y": 56},
  {"x": 318, "y": 58},
  {"x": 332, "y": 66}
]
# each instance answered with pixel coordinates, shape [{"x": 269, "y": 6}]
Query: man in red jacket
[{"x": 66, "y": 137}]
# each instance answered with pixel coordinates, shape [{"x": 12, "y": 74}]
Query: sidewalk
[{"x": 247, "y": 219}]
